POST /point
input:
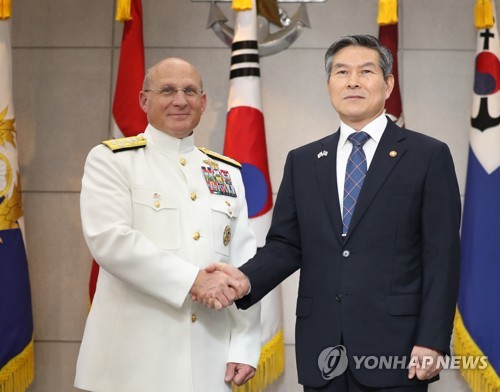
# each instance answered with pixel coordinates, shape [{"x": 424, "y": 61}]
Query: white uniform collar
[{"x": 166, "y": 143}]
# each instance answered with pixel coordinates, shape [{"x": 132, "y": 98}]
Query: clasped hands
[{"x": 219, "y": 285}]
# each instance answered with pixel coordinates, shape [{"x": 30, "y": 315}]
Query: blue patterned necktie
[{"x": 354, "y": 176}]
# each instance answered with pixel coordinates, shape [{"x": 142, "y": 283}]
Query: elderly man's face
[
  {"x": 357, "y": 87},
  {"x": 177, "y": 114}
]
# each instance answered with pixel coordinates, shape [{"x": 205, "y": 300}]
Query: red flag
[
  {"x": 129, "y": 118},
  {"x": 127, "y": 113},
  {"x": 388, "y": 36}
]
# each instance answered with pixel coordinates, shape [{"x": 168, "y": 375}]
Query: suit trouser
[{"x": 347, "y": 383}]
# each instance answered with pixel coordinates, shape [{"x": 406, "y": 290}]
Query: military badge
[
  {"x": 218, "y": 180},
  {"x": 226, "y": 237},
  {"x": 157, "y": 200}
]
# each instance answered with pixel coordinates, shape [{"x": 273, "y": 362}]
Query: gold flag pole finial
[
  {"x": 123, "y": 10},
  {"x": 387, "y": 12},
  {"x": 242, "y": 5},
  {"x": 483, "y": 14},
  {"x": 5, "y": 9}
]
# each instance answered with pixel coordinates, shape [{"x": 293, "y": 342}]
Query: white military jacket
[{"x": 151, "y": 222}]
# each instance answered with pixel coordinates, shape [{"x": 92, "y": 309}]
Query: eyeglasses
[{"x": 170, "y": 92}]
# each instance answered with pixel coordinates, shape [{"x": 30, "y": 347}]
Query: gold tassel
[
  {"x": 242, "y": 5},
  {"x": 123, "y": 10},
  {"x": 483, "y": 14},
  {"x": 480, "y": 380},
  {"x": 271, "y": 365},
  {"x": 19, "y": 372},
  {"x": 5, "y": 9},
  {"x": 387, "y": 12}
]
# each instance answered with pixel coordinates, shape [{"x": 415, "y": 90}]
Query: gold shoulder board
[
  {"x": 125, "y": 143},
  {"x": 220, "y": 157}
]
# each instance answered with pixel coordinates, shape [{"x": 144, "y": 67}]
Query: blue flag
[
  {"x": 16, "y": 320},
  {"x": 477, "y": 324}
]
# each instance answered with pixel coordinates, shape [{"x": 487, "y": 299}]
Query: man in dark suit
[{"x": 371, "y": 216}]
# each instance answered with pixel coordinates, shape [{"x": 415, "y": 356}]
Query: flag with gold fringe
[
  {"x": 17, "y": 364},
  {"x": 477, "y": 321},
  {"x": 245, "y": 141},
  {"x": 129, "y": 119},
  {"x": 388, "y": 36}
]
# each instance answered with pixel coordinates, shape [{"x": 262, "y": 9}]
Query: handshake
[{"x": 219, "y": 285}]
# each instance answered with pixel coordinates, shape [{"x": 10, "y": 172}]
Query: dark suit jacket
[{"x": 392, "y": 283}]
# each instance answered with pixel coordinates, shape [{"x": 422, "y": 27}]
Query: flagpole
[{"x": 245, "y": 141}]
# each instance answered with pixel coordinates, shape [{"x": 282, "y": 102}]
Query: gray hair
[
  {"x": 365, "y": 41},
  {"x": 147, "y": 77}
]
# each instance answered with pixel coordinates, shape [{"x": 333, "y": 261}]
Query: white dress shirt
[{"x": 375, "y": 129}]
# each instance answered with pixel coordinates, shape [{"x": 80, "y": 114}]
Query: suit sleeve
[
  {"x": 106, "y": 212},
  {"x": 280, "y": 256},
  {"x": 440, "y": 219}
]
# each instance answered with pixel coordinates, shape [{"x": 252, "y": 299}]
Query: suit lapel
[
  {"x": 382, "y": 164},
  {"x": 326, "y": 176}
]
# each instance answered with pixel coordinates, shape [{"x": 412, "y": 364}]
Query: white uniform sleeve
[
  {"x": 245, "y": 324},
  {"x": 106, "y": 212}
]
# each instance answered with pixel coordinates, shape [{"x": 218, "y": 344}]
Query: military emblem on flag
[{"x": 478, "y": 315}]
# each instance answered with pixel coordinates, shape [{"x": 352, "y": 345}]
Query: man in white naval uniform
[{"x": 156, "y": 211}]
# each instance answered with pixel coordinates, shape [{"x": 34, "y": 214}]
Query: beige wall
[{"x": 64, "y": 60}]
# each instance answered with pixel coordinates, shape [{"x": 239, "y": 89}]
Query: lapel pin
[
  {"x": 323, "y": 153},
  {"x": 393, "y": 154}
]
